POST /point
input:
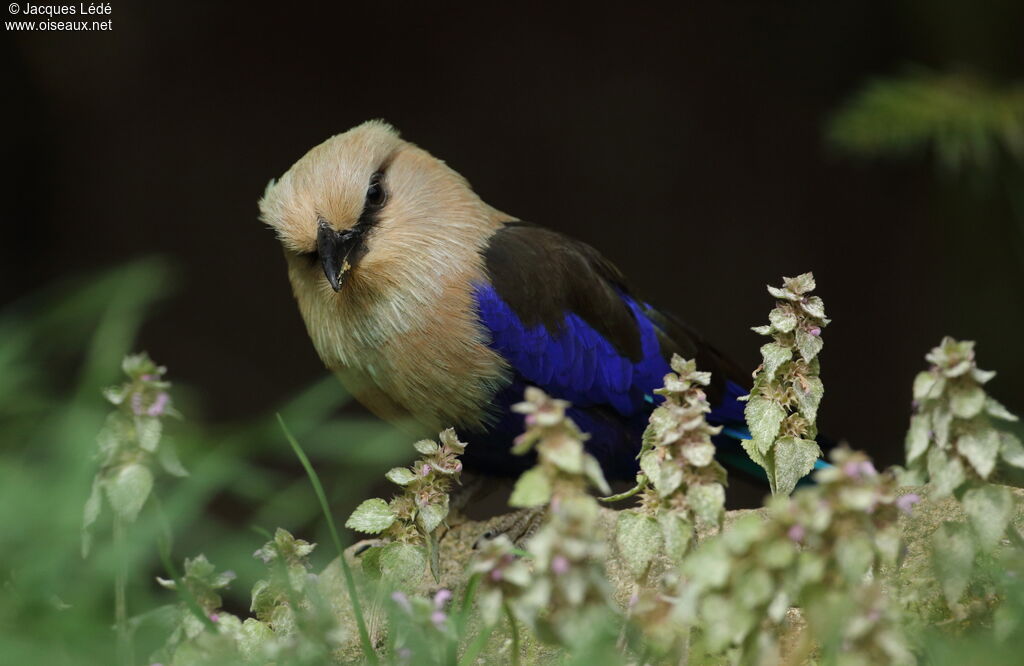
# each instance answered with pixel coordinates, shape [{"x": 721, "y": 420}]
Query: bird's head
[{"x": 366, "y": 207}]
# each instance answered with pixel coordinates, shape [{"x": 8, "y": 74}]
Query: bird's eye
[{"x": 375, "y": 194}]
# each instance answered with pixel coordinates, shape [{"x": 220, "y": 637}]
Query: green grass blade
[{"x": 350, "y": 583}]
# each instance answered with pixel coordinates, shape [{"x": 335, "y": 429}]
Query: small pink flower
[
  {"x": 442, "y": 597},
  {"x": 147, "y": 378},
  {"x": 159, "y": 404},
  {"x": 867, "y": 469},
  {"x": 458, "y": 465},
  {"x": 497, "y": 575},
  {"x": 214, "y": 617},
  {"x": 796, "y": 533},
  {"x": 905, "y": 503},
  {"x": 438, "y": 618},
  {"x": 560, "y": 564},
  {"x": 402, "y": 600},
  {"x": 425, "y": 470},
  {"x": 815, "y": 331}
]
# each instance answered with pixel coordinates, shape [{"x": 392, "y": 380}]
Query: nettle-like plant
[
  {"x": 294, "y": 624},
  {"x": 131, "y": 445},
  {"x": 567, "y": 589},
  {"x": 408, "y": 523},
  {"x": 815, "y": 551},
  {"x": 953, "y": 445},
  {"x": 563, "y": 467},
  {"x": 681, "y": 483},
  {"x": 783, "y": 404}
]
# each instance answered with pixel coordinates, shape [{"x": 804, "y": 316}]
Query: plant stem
[
  {"x": 350, "y": 582},
  {"x": 125, "y": 651},
  {"x": 514, "y": 630}
]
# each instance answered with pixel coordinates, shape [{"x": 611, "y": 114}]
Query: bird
[{"x": 435, "y": 309}]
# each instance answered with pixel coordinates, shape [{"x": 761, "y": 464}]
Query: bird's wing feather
[{"x": 564, "y": 319}]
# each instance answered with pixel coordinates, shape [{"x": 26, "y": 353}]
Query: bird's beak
[{"x": 337, "y": 250}]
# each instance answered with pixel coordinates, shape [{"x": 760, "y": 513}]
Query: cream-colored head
[
  {"x": 396, "y": 197},
  {"x": 383, "y": 245}
]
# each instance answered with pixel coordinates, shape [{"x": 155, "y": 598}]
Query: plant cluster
[
  {"x": 408, "y": 523},
  {"x": 815, "y": 551},
  {"x": 131, "y": 444},
  {"x": 563, "y": 467},
  {"x": 293, "y": 623},
  {"x": 681, "y": 482},
  {"x": 953, "y": 445},
  {"x": 821, "y": 575},
  {"x": 783, "y": 404}
]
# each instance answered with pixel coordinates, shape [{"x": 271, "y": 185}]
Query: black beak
[{"x": 338, "y": 251}]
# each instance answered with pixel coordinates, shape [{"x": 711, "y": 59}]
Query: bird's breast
[{"x": 407, "y": 356}]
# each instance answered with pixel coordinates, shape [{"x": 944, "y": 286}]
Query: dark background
[{"x": 686, "y": 143}]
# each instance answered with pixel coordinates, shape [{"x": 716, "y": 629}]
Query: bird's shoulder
[{"x": 543, "y": 275}]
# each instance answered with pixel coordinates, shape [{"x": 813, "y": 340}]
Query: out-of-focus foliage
[
  {"x": 821, "y": 575},
  {"x": 965, "y": 121}
]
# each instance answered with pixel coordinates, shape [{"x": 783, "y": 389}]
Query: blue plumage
[{"x": 611, "y": 395}]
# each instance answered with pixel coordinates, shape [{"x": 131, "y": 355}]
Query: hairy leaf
[
  {"x": 373, "y": 516},
  {"x": 129, "y": 489},
  {"x": 533, "y": 488},
  {"x": 794, "y": 459},
  {"x": 953, "y": 559},
  {"x": 989, "y": 509},
  {"x": 638, "y": 538}
]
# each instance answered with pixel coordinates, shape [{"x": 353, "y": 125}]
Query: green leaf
[
  {"x": 783, "y": 319},
  {"x": 966, "y": 399},
  {"x": 808, "y": 401},
  {"x": 854, "y": 554},
  {"x": 402, "y": 476},
  {"x": 917, "y": 437},
  {"x": 129, "y": 489},
  {"x": 989, "y": 509},
  {"x": 168, "y": 457},
  {"x": 148, "y": 430},
  {"x": 533, "y": 488},
  {"x": 762, "y": 330},
  {"x": 928, "y": 385},
  {"x": 996, "y": 410},
  {"x": 801, "y": 284},
  {"x": 774, "y": 356},
  {"x": 1011, "y": 449},
  {"x": 565, "y": 453},
  {"x": 814, "y": 306},
  {"x": 677, "y": 533},
  {"x": 946, "y": 473},
  {"x": 432, "y": 515},
  {"x": 373, "y": 516},
  {"x": 426, "y": 447},
  {"x": 764, "y": 417},
  {"x": 638, "y": 538},
  {"x": 370, "y": 561},
  {"x": 665, "y": 476},
  {"x": 403, "y": 564},
  {"x": 699, "y": 454},
  {"x": 981, "y": 448},
  {"x": 953, "y": 559},
  {"x": 593, "y": 472},
  {"x": 808, "y": 345},
  {"x": 751, "y": 448},
  {"x": 782, "y": 294},
  {"x": 794, "y": 459},
  {"x": 707, "y": 501}
]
